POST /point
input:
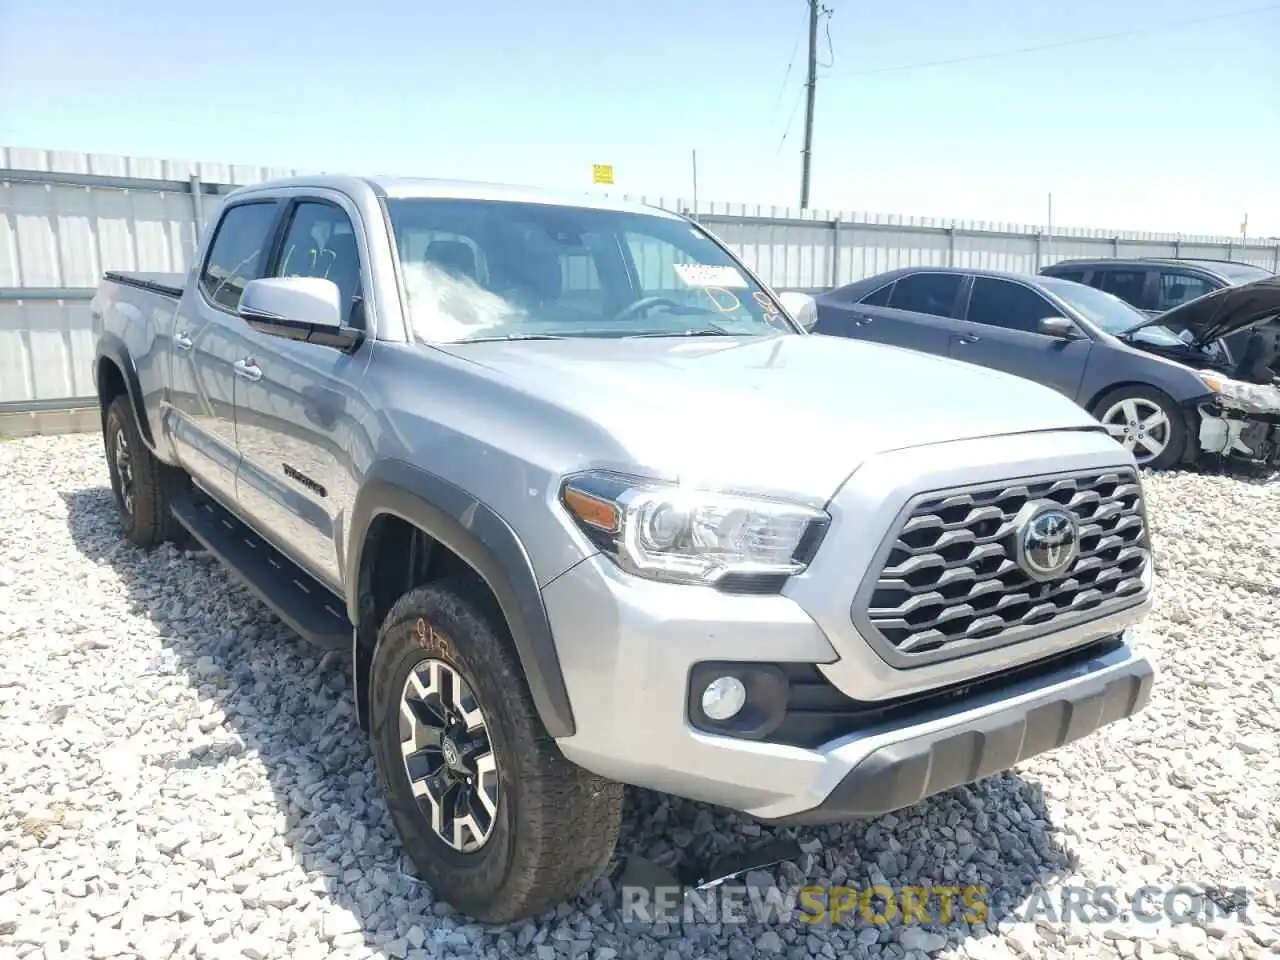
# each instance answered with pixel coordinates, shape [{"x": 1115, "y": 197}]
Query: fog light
[{"x": 723, "y": 697}]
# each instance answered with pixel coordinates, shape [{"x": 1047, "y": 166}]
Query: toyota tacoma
[{"x": 589, "y": 506}]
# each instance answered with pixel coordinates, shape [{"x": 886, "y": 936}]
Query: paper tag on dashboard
[{"x": 703, "y": 275}]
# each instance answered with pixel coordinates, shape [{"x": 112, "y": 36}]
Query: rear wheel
[
  {"x": 1146, "y": 422},
  {"x": 144, "y": 487},
  {"x": 493, "y": 816}
]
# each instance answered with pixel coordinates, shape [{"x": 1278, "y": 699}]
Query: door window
[
  {"x": 580, "y": 287},
  {"x": 1076, "y": 276},
  {"x": 1125, "y": 284},
  {"x": 999, "y": 303},
  {"x": 321, "y": 242},
  {"x": 933, "y": 293},
  {"x": 235, "y": 256},
  {"x": 1178, "y": 288},
  {"x": 879, "y": 297}
]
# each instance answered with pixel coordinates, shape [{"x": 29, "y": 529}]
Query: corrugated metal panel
[
  {"x": 46, "y": 351},
  {"x": 57, "y": 238}
]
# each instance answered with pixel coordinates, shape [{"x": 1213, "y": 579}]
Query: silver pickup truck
[{"x": 589, "y": 506}]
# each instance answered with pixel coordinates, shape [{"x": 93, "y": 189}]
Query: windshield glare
[
  {"x": 1103, "y": 310},
  {"x": 1238, "y": 273},
  {"x": 478, "y": 269}
]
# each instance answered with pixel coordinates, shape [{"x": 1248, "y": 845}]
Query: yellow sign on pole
[{"x": 602, "y": 173}]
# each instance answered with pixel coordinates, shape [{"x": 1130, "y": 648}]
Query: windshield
[
  {"x": 1238, "y": 273},
  {"x": 489, "y": 269},
  {"x": 1104, "y": 311}
]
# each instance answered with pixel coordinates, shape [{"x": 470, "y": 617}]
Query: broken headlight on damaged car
[
  {"x": 683, "y": 535},
  {"x": 1256, "y": 398}
]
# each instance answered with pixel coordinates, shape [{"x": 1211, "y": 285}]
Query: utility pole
[
  {"x": 810, "y": 88},
  {"x": 695, "y": 184}
]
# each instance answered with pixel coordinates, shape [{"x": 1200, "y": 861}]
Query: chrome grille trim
[{"x": 945, "y": 582}]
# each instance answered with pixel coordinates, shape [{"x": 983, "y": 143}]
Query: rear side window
[
  {"x": 933, "y": 293},
  {"x": 1177, "y": 288},
  {"x": 999, "y": 303},
  {"x": 1125, "y": 284},
  {"x": 878, "y": 298},
  {"x": 235, "y": 257}
]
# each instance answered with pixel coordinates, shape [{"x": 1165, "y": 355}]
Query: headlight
[
  {"x": 672, "y": 533},
  {"x": 1213, "y": 381}
]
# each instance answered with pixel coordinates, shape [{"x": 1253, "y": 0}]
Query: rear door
[
  {"x": 917, "y": 311},
  {"x": 297, "y": 403},
  {"x": 1175, "y": 287},
  {"x": 208, "y": 337},
  {"x": 1001, "y": 330},
  {"x": 1132, "y": 284}
]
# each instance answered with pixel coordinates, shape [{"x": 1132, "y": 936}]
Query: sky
[{"x": 1172, "y": 126}]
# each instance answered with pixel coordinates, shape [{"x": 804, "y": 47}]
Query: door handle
[
  {"x": 967, "y": 338},
  {"x": 247, "y": 370},
  {"x": 182, "y": 341}
]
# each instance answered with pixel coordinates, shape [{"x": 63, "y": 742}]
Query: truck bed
[{"x": 168, "y": 284}]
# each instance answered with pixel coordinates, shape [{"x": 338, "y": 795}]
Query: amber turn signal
[{"x": 594, "y": 512}]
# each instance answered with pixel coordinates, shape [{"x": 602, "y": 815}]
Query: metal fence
[{"x": 65, "y": 218}]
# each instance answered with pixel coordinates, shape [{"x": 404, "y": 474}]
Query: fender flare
[
  {"x": 110, "y": 347},
  {"x": 484, "y": 541}
]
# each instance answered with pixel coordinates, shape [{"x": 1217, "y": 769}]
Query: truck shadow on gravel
[{"x": 273, "y": 703}]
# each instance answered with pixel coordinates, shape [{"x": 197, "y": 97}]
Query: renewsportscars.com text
[{"x": 940, "y": 904}]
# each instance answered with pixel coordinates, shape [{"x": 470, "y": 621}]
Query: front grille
[{"x": 950, "y": 582}]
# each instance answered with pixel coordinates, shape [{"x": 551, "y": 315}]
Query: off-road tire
[
  {"x": 156, "y": 485},
  {"x": 1179, "y": 436},
  {"x": 556, "y": 824}
]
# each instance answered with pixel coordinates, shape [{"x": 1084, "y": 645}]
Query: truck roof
[{"x": 426, "y": 187}]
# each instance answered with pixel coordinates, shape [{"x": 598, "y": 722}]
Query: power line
[
  {"x": 831, "y": 50},
  {"x": 1056, "y": 45},
  {"x": 795, "y": 108},
  {"x": 782, "y": 87}
]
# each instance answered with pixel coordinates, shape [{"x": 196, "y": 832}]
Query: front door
[
  {"x": 208, "y": 337},
  {"x": 1001, "y": 331},
  {"x": 297, "y": 403}
]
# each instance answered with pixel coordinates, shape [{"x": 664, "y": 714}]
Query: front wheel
[
  {"x": 493, "y": 816},
  {"x": 1146, "y": 422}
]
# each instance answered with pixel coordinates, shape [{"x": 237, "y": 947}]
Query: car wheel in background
[{"x": 1146, "y": 422}]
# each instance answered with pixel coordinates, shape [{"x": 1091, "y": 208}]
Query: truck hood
[
  {"x": 1222, "y": 312},
  {"x": 787, "y": 414}
]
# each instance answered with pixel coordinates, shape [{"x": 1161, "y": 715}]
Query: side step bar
[{"x": 310, "y": 608}]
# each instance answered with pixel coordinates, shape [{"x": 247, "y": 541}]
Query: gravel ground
[{"x": 181, "y": 776}]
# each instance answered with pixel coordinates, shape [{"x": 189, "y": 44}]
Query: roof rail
[{"x": 1243, "y": 263}]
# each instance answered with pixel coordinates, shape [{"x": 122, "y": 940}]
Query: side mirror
[
  {"x": 298, "y": 308},
  {"x": 802, "y": 307},
  {"x": 1061, "y": 328}
]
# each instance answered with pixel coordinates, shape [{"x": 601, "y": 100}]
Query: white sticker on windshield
[{"x": 703, "y": 275}]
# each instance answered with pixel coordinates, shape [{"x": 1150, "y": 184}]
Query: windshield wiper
[
  {"x": 514, "y": 336},
  {"x": 698, "y": 332}
]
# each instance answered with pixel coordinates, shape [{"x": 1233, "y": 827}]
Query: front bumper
[
  {"x": 1248, "y": 433},
  {"x": 902, "y": 773},
  {"x": 628, "y": 648}
]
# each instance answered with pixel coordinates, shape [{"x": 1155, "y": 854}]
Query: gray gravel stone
[{"x": 180, "y": 776}]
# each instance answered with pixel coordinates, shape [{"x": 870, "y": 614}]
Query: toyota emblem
[{"x": 1047, "y": 540}]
